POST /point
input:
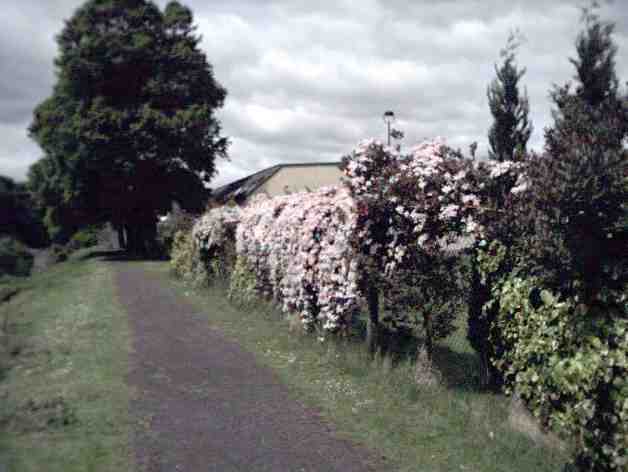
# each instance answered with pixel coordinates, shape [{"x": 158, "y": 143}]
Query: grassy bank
[
  {"x": 447, "y": 428},
  {"x": 64, "y": 401}
]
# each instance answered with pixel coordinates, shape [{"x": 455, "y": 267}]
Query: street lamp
[{"x": 389, "y": 117}]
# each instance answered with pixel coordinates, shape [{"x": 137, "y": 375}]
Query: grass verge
[
  {"x": 63, "y": 397},
  {"x": 453, "y": 427}
]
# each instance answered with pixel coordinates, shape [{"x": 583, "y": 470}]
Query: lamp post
[{"x": 389, "y": 117}]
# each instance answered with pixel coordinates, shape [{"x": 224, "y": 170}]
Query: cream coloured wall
[{"x": 298, "y": 177}]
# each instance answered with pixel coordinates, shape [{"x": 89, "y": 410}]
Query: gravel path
[{"x": 204, "y": 404}]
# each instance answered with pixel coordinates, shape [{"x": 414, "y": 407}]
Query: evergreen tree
[
  {"x": 597, "y": 88},
  {"x": 586, "y": 156},
  {"x": 595, "y": 65},
  {"x": 508, "y": 137},
  {"x": 130, "y": 126},
  {"x": 511, "y": 130}
]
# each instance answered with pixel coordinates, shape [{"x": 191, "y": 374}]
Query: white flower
[
  {"x": 500, "y": 168},
  {"x": 519, "y": 188},
  {"x": 460, "y": 175},
  {"x": 471, "y": 199},
  {"x": 450, "y": 211}
]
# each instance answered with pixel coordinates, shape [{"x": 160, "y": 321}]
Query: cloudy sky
[{"x": 308, "y": 80}]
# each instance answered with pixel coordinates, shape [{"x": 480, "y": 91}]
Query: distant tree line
[{"x": 19, "y": 217}]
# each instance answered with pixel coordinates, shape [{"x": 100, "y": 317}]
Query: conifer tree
[
  {"x": 585, "y": 164},
  {"x": 596, "y": 87},
  {"x": 511, "y": 129}
]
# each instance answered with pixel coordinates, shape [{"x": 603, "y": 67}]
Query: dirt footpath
[{"x": 204, "y": 404}]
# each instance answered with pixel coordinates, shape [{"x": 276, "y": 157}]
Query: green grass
[
  {"x": 454, "y": 427},
  {"x": 63, "y": 397}
]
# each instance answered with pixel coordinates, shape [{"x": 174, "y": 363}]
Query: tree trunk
[
  {"x": 372, "y": 327},
  {"x": 150, "y": 237},
  {"x": 429, "y": 335},
  {"x": 425, "y": 373},
  {"x": 485, "y": 371},
  {"x": 131, "y": 238},
  {"x": 141, "y": 236},
  {"x": 121, "y": 239}
]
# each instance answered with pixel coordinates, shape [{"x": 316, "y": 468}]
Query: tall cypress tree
[
  {"x": 511, "y": 129},
  {"x": 596, "y": 59},
  {"x": 596, "y": 88},
  {"x": 508, "y": 137}
]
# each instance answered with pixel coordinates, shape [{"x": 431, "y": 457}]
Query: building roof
[{"x": 241, "y": 189}]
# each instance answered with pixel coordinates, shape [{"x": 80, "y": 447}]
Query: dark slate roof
[{"x": 243, "y": 188}]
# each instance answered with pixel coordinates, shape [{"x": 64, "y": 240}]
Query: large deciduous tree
[
  {"x": 130, "y": 126},
  {"x": 511, "y": 129}
]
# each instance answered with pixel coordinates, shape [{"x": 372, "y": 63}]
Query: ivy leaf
[{"x": 547, "y": 298}]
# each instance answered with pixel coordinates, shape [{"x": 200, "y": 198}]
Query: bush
[
  {"x": 84, "y": 238},
  {"x": 242, "y": 283},
  {"x": 14, "y": 258},
  {"x": 177, "y": 220},
  {"x": 185, "y": 262},
  {"x": 59, "y": 252},
  {"x": 427, "y": 296},
  {"x": 570, "y": 364},
  {"x": 20, "y": 217},
  {"x": 214, "y": 238}
]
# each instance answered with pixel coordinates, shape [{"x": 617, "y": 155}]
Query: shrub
[
  {"x": 84, "y": 238},
  {"x": 184, "y": 261},
  {"x": 427, "y": 296},
  {"x": 20, "y": 217},
  {"x": 182, "y": 253},
  {"x": 177, "y": 220},
  {"x": 14, "y": 257},
  {"x": 570, "y": 364},
  {"x": 214, "y": 239},
  {"x": 242, "y": 283},
  {"x": 59, "y": 252}
]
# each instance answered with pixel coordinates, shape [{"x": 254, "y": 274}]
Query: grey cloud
[{"x": 307, "y": 80}]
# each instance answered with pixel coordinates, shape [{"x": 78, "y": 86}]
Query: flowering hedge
[
  {"x": 424, "y": 201},
  {"x": 312, "y": 251},
  {"x": 299, "y": 247},
  {"x": 212, "y": 230},
  {"x": 204, "y": 251}
]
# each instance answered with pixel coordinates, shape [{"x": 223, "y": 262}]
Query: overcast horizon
[{"x": 306, "y": 85}]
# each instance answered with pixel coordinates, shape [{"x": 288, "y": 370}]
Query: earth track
[{"x": 203, "y": 403}]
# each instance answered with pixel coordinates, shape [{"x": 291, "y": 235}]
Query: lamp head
[{"x": 389, "y": 116}]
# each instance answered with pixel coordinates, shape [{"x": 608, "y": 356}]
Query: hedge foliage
[
  {"x": 85, "y": 237},
  {"x": 569, "y": 365},
  {"x": 177, "y": 220}
]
